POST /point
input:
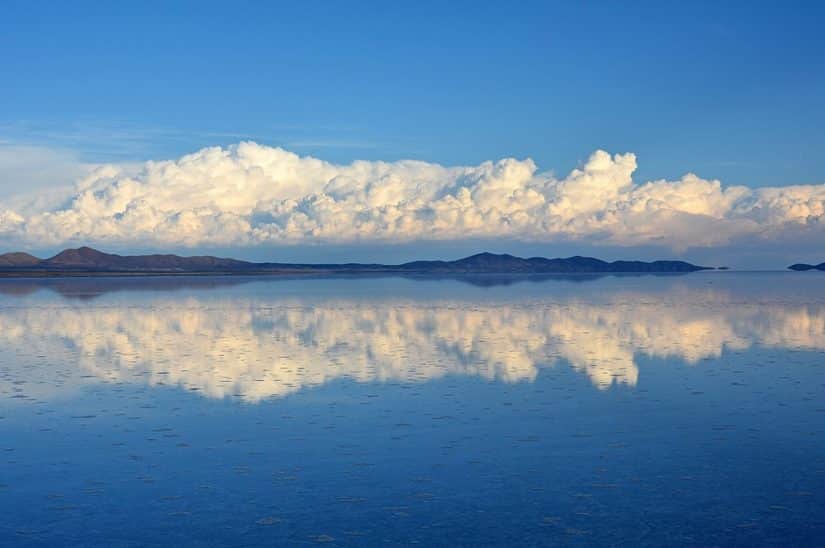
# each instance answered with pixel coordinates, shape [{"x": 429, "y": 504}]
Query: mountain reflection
[{"x": 254, "y": 349}]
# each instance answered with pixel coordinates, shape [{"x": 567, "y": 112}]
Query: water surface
[{"x": 640, "y": 410}]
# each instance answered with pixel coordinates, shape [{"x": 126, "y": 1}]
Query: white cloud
[{"x": 250, "y": 194}]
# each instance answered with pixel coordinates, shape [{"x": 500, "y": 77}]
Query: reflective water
[{"x": 583, "y": 411}]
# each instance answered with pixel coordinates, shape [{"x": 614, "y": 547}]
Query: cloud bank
[{"x": 250, "y": 194}]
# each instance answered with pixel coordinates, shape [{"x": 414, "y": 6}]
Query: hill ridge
[{"x": 88, "y": 259}]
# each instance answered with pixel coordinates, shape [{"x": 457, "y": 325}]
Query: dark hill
[
  {"x": 491, "y": 263},
  {"x": 18, "y": 259},
  {"x": 482, "y": 262},
  {"x": 88, "y": 260},
  {"x": 803, "y": 266}
]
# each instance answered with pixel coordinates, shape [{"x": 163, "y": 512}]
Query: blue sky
[
  {"x": 727, "y": 90},
  {"x": 731, "y": 90}
]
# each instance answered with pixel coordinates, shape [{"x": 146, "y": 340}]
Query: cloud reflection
[{"x": 254, "y": 350}]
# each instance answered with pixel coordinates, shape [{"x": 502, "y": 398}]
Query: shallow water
[{"x": 639, "y": 410}]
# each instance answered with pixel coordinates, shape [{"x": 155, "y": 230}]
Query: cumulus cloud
[{"x": 250, "y": 194}]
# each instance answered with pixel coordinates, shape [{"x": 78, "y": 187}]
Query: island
[
  {"x": 801, "y": 267},
  {"x": 87, "y": 261}
]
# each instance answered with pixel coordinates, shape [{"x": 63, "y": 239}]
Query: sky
[{"x": 393, "y": 131}]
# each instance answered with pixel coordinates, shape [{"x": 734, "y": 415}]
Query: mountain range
[{"x": 91, "y": 261}]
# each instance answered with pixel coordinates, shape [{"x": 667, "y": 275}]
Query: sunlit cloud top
[{"x": 250, "y": 194}]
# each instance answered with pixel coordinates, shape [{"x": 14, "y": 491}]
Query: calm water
[{"x": 587, "y": 411}]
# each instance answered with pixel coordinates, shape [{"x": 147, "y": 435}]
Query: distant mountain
[
  {"x": 803, "y": 266},
  {"x": 18, "y": 259},
  {"x": 489, "y": 262},
  {"x": 88, "y": 258},
  {"x": 87, "y": 261}
]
